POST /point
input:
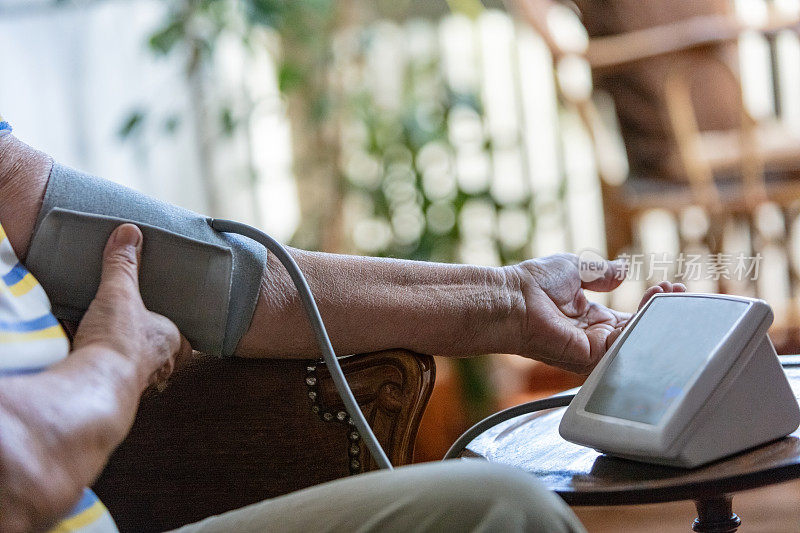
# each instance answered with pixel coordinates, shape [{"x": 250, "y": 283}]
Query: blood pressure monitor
[{"x": 693, "y": 378}]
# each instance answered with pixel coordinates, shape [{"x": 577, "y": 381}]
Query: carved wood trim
[{"x": 392, "y": 391}]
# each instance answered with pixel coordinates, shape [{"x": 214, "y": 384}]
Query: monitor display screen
[{"x": 662, "y": 354}]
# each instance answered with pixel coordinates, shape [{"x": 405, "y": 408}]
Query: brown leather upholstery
[{"x": 230, "y": 432}]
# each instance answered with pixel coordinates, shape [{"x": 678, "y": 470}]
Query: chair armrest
[
  {"x": 612, "y": 52},
  {"x": 230, "y": 432},
  {"x": 617, "y": 51}
]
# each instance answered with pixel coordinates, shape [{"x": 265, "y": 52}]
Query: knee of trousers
[{"x": 502, "y": 497}]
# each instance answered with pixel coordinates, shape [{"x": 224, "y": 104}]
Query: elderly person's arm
[
  {"x": 58, "y": 427},
  {"x": 536, "y": 309}
]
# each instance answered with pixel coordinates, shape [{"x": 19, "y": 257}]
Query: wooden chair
[
  {"x": 731, "y": 174},
  {"x": 703, "y": 162},
  {"x": 226, "y": 433}
]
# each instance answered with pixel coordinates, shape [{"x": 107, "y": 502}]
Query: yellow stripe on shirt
[
  {"x": 24, "y": 285},
  {"x": 81, "y": 519},
  {"x": 53, "y": 332},
  {"x": 2, "y": 234}
]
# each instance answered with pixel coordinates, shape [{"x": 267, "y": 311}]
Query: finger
[
  {"x": 613, "y": 275},
  {"x": 678, "y": 287},
  {"x": 184, "y": 352},
  {"x": 613, "y": 336},
  {"x": 600, "y": 314},
  {"x": 598, "y": 342},
  {"x": 181, "y": 358},
  {"x": 666, "y": 286},
  {"x": 649, "y": 293},
  {"x": 185, "y": 356},
  {"x": 121, "y": 259}
]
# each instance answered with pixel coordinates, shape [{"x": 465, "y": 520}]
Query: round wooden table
[{"x": 582, "y": 476}]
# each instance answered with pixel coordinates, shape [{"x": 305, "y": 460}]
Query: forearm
[
  {"x": 371, "y": 304},
  {"x": 57, "y": 430}
]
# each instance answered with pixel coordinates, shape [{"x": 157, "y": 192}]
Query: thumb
[{"x": 121, "y": 259}]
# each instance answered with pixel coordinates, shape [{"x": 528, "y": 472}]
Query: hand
[
  {"x": 118, "y": 320},
  {"x": 58, "y": 426},
  {"x": 561, "y": 327}
]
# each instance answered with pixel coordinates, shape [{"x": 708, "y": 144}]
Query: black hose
[{"x": 506, "y": 414}]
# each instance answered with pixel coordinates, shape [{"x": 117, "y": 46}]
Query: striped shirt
[{"x": 31, "y": 339}]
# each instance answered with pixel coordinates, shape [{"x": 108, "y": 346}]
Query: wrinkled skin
[{"x": 562, "y": 327}]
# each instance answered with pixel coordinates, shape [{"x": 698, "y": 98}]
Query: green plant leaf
[
  {"x": 290, "y": 77},
  {"x": 162, "y": 41},
  {"x": 228, "y": 121},
  {"x": 132, "y": 124},
  {"x": 172, "y": 123}
]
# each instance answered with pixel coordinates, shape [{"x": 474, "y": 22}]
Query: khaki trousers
[{"x": 458, "y": 495}]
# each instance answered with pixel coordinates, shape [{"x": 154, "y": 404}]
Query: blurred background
[{"x": 460, "y": 131}]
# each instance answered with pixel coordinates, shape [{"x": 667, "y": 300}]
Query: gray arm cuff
[{"x": 206, "y": 282}]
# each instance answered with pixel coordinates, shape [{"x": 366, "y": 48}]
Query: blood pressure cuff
[{"x": 206, "y": 282}]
